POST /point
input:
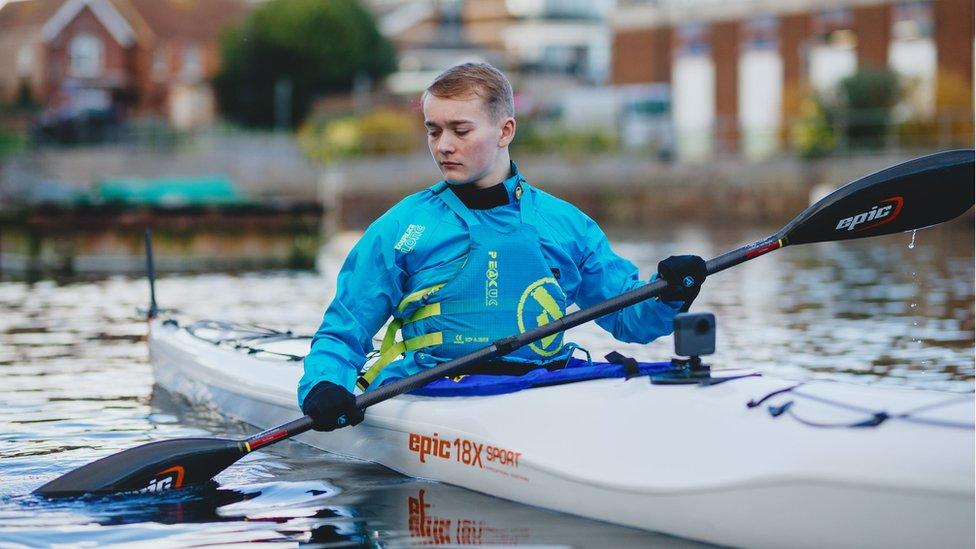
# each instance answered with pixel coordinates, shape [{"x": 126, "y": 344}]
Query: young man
[{"x": 479, "y": 256}]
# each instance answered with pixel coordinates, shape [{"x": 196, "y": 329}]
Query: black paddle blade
[
  {"x": 912, "y": 195},
  {"x": 152, "y": 467}
]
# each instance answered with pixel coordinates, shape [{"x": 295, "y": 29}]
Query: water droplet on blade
[{"x": 911, "y": 245}]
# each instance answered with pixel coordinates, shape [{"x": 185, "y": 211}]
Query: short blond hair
[{"x": 476, "y": 79}]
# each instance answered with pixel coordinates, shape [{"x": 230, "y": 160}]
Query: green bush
[
  {"x": 813, "y": 134},
  {"x": 868, "y": 98},
  {"x": 858, "y": 114},
  {"x": 11, "y": 143},
  {"x": 383, "y": 131},
  {"x": 533, "y": 138}
]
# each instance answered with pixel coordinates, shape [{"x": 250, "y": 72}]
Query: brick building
[
  {"x": 739, "y": 69},
  {"x": 150, "y": 57},
  {"x": 543, "y": 45}
]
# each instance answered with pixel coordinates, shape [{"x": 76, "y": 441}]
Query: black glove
[
  {"x": 684, "y": 274},
  {"x": 331, "y": 407}
]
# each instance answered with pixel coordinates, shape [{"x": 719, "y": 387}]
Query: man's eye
[
  {"x": 433, "y": 133},
  {"x": 461, "y": 132}
]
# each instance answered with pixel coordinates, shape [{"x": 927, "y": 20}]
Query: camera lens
[{"x": 702, "y": 326}]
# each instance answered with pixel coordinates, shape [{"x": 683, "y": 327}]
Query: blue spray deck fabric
[{"x": 575, "y": 370}]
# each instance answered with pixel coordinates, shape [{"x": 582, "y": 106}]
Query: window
[
  {"x": 25, "y": 60},
  {"x": 86, "y": 54},
  {"x": 451, "y": 23},
  {"x": 575, "y": 9},
  {"x": 761, "y": 33},
  {"x": 912, "y": 21},
  {"x": 160, "y": 63},
  {"x": 913, "y": 54},
  {"x": 829, "y": 20},
  {"x": 192, "y": 65},
  {"x": 560, "y": 9},
  {"x": 693, "y": 38},
  {"x": 835, "y": 28}
]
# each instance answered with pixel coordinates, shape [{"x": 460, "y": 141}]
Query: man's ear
[{"x": 507, "y": 131}]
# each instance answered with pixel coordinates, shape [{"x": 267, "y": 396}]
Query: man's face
[{"x": 463, "y": 139}]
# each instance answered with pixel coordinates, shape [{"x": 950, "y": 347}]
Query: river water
[{"x": 75, "y": 384}]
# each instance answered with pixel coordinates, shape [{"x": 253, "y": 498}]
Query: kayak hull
[{"x": 689, "y": 461}]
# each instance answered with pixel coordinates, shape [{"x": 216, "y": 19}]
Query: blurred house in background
[
  {"x": 685, "y": 79},
  {"x": 106, "y": 59},
  {"x": 739, "y": 70},
  {"x": 544, "y": 45},
  {"x": 22, "y": 63}
]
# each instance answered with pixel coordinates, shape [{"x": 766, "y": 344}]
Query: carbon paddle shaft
[
  {"x": 918, "y": 193},
  {"x": 172, "y": 463},
  {"x": 915, "y": 194},
  {"x": 507, "y": 345}
]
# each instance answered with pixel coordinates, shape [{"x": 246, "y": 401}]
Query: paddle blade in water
[
  {"x": 912, "y": 195},
  {"x": 151, "y": 467}
]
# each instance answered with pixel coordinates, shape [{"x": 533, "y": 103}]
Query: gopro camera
[{"x": 694, "y": 334}]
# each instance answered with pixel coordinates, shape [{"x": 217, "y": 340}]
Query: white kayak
[{"x": 691, "y": 461}]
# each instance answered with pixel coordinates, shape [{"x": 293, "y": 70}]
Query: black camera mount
[{"x": 694, "y": 336}]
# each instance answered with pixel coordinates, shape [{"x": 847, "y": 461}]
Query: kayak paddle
[{"x": 915, "y": 194}]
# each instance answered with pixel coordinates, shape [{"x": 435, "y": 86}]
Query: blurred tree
[
  {"x": 857, "y": 114},
  {"x": 288, "y": 52},
  {"x": 867, "y": 101}
]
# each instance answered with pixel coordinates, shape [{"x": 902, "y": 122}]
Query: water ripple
[{"x": 75, "y": 385}]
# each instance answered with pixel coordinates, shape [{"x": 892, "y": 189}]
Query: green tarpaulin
[{"x": 170, "y": 191}]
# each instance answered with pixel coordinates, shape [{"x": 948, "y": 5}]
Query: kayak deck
[{"x": 687, "y": 460}]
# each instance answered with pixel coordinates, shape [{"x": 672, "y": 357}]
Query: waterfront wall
[
  {"x": 616, "y": 189},
  {"x": 99, "y": 240},
  {"x": 262, "y": 166},
  {"x": 613, "y": 188}
]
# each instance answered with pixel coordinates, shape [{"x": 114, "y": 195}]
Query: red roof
[
  {"x": 188, "y": 19},
  {"x": 24, "y": 13}
]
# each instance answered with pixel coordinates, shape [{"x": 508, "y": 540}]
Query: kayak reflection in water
[{"x": 479, "y": 256}]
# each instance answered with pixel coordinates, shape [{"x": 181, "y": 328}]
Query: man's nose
[{"x": 445, "y": 145}]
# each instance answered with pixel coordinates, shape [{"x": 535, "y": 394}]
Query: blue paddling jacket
[{"x": 455, "y": 279}]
